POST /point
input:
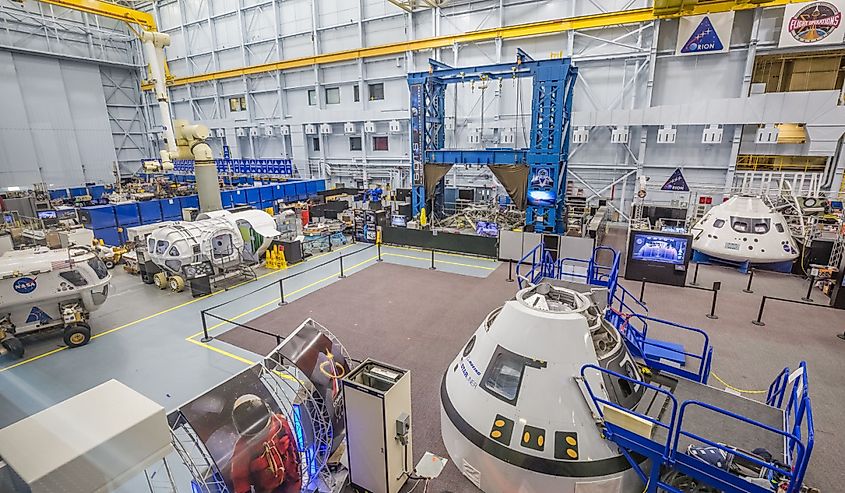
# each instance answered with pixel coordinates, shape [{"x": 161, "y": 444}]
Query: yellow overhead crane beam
[
  {"x": 110, "y": 10},
  {"x": 508, "y": 32}
]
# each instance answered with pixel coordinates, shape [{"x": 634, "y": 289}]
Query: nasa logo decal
[
  {"x": 25, "y": 285},
  {"x": 814, "y": 22}
]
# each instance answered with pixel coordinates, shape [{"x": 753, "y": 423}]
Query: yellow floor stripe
[
  {"x": 148, "y": 317},
  {"x": 436, "y": 261},
  {"x": 450, "y": 254}
]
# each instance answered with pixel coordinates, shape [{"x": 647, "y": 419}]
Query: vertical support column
[{"x": 652, "y": 62}]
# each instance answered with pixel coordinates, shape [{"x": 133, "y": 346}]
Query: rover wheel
[
  {"x": 177, "y": 283},
  {"x": 160, "y": 280},
  {"x": 77, "y": 335},
  {"x": 14, "y": 346}
]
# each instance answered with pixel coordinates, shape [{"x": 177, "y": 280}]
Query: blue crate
[
  {"x": 266, "y": 193},
  {"x": 98, "y": 216},
  {"x": 301, "y": 190},
  {"x": 171, "y": 209},
  {"x": 189, "y": 201},
  {"x": 59, "y": 194},
  {"x": 78, "y": 191},
  {"x": 239, "y": 197},
  {"x": 278, "y": 192},
  {"x": 311, "y": 187},
  {"x": 97, "y": 191},
  {"x": 226, "y": 199},
  {"x": 253, "y": 196},
  {"x": 321, "y": 185},
  {"x": 150, "y": 211},
  {"x": 127, "y": 215},
  {"x": 290, "y": 191},
  {"x": 109, "y": 236}
]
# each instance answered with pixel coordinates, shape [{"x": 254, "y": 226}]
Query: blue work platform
[
  {"x": 548, "y": 141},
  {"x": 758, "y": 447}
]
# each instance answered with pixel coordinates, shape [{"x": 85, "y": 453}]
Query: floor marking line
[
  {"x": 286, "y": 376},
  {"x": 276, "y": 300},
  {"x": 441, "y": 261},
  {"x": 485, "y": 259},
  {"x": 148, "y": 317}
]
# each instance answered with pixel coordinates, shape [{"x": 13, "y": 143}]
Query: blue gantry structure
[
  {"x": 548, "y": 142},
  {"x": 759, "y": 446}
]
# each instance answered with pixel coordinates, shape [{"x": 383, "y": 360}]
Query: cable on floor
[{"x": 741, "y": 391}]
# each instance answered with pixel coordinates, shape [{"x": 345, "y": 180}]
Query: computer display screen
[
  {"x": 47, "y": 215},
  {"x": 398, "y": 221},
  {"x": 544, "y": 198},
  {"x": 484, "y": 228},
  {"x": 659, "y": 248}
]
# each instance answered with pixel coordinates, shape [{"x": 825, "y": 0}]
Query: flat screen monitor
[
  {"x": 665, "y": 249},
  {"x": 466, "y": 194},
  {"x": 484, "y": 228},
  {"x": 47, "y": 215},
  {"x": 398, "y": 221},
  {"x": 542, "y": 198}
]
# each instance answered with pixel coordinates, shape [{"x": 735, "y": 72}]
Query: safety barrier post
[
  {"x": 841, "y": 336},
  {"x": 205, "y": 336},
  {"x": 378, "y": 247},
  {"x": 716, "y": 287},
  {"x": 642, "y": 292},
  {"x": 750, "y": 280},
  {"x": 282, "y": 301},
  {"x": 432, "y": 261},
  {"x": 810, "y": 289},
  {"x": 695, "y": 276},
  {"x": 510, "y": 270},
  {"x": 341, "y": 276},
  {"x": 759, "y": 320}
]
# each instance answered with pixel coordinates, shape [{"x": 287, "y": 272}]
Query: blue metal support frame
[{"x": 548, "y": 150}]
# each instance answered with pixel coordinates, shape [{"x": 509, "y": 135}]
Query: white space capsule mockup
[
  {"x": 513, "y": 417},
  {"x": 744, "y": 229},
  {"x": 217, "y": 237}
]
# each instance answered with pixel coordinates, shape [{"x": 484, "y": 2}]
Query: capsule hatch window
[
  {"x": 503, "y": 377},
  {"x": 757, "y": 226}
]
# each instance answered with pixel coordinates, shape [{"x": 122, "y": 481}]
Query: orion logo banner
[
  {"x": 701, "y": 34},
  {"x": 25, "y": 285}
]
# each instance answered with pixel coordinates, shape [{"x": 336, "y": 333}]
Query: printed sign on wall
[
  {"x": 708, "y": 33},
  {"x": 813, "y": 24}
]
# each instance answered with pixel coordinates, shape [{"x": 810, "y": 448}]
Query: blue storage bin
[
  {"x": 97, "y": 216},
  {"x": 266, "y": 193},
  {"x": 127, "y": 215},
  {"x": 108, "y": 235},
  {"x": 289, "y": 191},
  {"x": 58, "y": 194},
  {"x": 311, "y": 187},
  {"x": 301, "y": 190},
  {"x": 78, "y": 191},
  {"x": 97, "y": 191},
  {"x": 226, "y": 199},
  {"x": 150, "y": 211},
  {"x": 188, "y": 202},
  {"x": 171, "y": 209},
  {"x": 278, "y": 192},
  {"x": 321, "y": 185},
  {"x": 239, "y": 197},
  {"x": 253, "y": 196}
]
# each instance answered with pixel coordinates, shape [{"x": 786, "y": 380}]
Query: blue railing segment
[
  {"x": 798, "y": 415},
  {"x": 777, "y": 389},
  {"x": 706, "y": 469},
  {"x": 702, "y": 357},
  {"x": 666, "y": 447}
]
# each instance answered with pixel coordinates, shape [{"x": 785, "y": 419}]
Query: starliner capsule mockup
[
  {"x": 745, "y": 229},
  {"x": 513, "y": 417}
]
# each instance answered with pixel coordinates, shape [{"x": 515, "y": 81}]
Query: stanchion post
[
  {"x": 378, "y": 247},
  {"x": 716, "y": 287},
  {"x": 432, "y": 261},
  {"x": 695, "y": 276},
  {"x": 750, "y": 280},
  {"x": 841, "y": 336},
  {"x": 642, "y": 291},
  {"x": 759, "y": 320},
  {"x": 282, "y": 301},
  {"x": 205, "y": 336},
  {"x": 510, "y": 270},
  {"x": 341, "y": 276},
  {"x": 810, "y": 289}
]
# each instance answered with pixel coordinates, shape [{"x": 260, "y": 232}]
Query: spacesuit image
[{"x": 265, "y": 458}]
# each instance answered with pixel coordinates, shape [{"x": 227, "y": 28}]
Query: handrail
[
  {"x": 597, "y": 400},
  {"x": 702, "y": 357},
  {"x": 777, "y": 389},
  {"x": 794, "y": 486}
]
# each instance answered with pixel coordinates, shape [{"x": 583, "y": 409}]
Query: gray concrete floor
[{"x": 149, "y": 340}]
